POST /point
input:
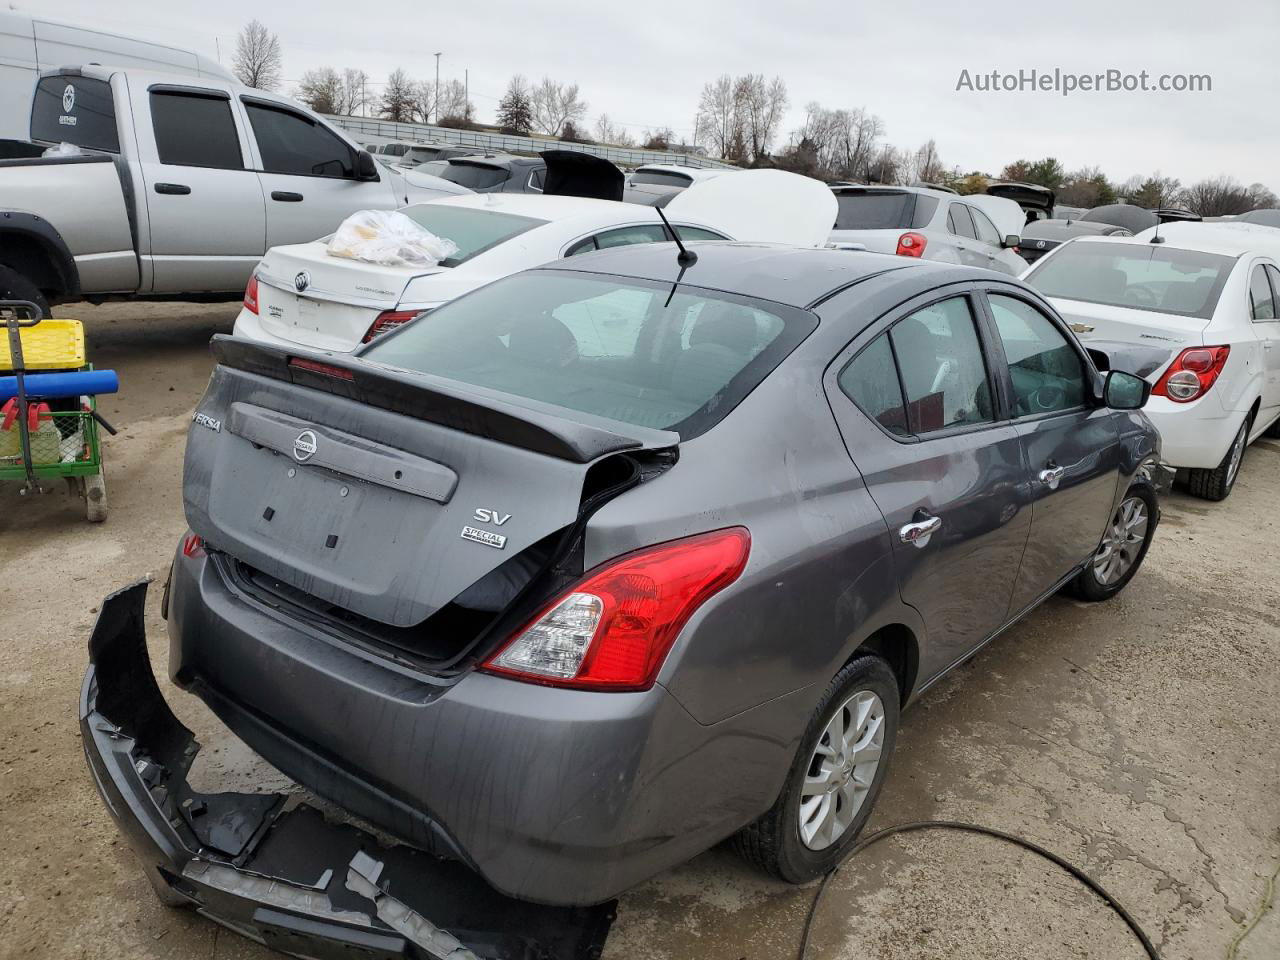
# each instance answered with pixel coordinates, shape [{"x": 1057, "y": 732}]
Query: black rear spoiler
[{"x": 528, "y": 424}]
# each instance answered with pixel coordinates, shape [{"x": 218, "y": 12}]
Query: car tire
[
  {"x": 1273, "y": 431},
  {"x": 774, "y": 843},
  {"x": 1102, "y": 578},
  {"x": 14, "y": 286},
  {"x": 1217, "y": 484}
]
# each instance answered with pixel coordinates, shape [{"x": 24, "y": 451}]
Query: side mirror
[
  {"x": 366, "y": 166},
  {"x": 1012, "y": 240},
  {"x": 1124, "y": 391}
]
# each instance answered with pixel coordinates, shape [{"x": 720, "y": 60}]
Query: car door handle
[
  {"x": 917, "y": 532},
  {"x": 286, "y": 196},
  {"x": 1052, "y": 475},
  {"x": 173, "y": 189}
]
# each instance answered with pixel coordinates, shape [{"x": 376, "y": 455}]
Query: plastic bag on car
[
  {"x": 389, "y": 238},
  {"x": 63, "y": 149}
]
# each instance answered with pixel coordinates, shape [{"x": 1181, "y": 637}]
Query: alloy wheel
[
  {"x": 1237, "y": 452},
  {"x": 1122, "y": 541},
  {"x": 841, "y": 770}
]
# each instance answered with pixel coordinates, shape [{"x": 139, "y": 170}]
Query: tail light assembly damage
[
  {"x": 251, "y": 295},
  {"x": 386, "y": 321},
  {"x": 614, "y": 628},
  {"x": 911, "y": 244},
  {"x": 1192, "y": 373}
]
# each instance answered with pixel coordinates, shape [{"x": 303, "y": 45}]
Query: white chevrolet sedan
[
  {"x": 299, "y": 294},
  {"x": 1208, "y": 295}
]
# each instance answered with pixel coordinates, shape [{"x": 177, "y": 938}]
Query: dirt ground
[{"x": 1139, "y": 739}]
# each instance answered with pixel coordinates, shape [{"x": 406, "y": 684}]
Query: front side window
[
  {"x": 944, "y": 376},
  {"x": 871, "y": 381},
  {"x": 76, "y": 110},
  {"x": 293, "y": 144},
  {"x": 986, "y": 230},
  {"x": 626, "y": 349},
  {"x": 195, "y": 131},
  {"x": 1261, "y": 300},
  {"x": 1047, "y": 373}
]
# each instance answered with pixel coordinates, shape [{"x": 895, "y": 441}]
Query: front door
[
  {"x": 915, "y": 404},
  {"x": 307, "y": 175},
  {"x": 1070, "y": 444}
]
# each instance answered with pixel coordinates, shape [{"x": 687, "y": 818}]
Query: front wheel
[
  {"x": 1123, "y": 548},
  {"x": 834, "y": 780}
]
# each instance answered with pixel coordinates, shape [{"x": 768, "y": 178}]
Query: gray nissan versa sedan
[{"x": 593, "y": 568}]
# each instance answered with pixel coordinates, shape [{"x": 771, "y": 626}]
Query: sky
[{"x": 645, "y": 66}]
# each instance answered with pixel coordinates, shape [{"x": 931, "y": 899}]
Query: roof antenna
[
  {"x": 686, "y": 257},
  {"x": 1155, "y": 237}
]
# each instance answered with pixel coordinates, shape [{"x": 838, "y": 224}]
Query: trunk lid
[
  {"x": 877, "y": 241},
  {"x": 764, "y": 206},
  {"x": 307, "y": 296},
  {"x": 382, "y": 492},
  {"x": 1099, "y": 325}
]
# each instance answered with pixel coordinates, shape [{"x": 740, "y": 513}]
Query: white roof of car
[
  {"x": 549, "y": 208},
  {"x": 1230, "y": 238}
]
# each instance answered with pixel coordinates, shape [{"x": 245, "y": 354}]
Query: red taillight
[
  {"x": 324, "y": 369},
  {"x": 388, "y": 320},
  {"x": 1192, "y": 373},
  {"x": 614, "y": 628},
  {"x": 192, "y": 545},
  {"x": 911, "y": 245},
  {"x": 251, "y": 295}
]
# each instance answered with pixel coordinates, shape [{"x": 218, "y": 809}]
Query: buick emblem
[
  {"x": 304, "y": 447},
  {"x": 302, "y": 281},
  {"x": 68, "y": 98}
]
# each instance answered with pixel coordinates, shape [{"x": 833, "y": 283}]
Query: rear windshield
[
  {"x": 75, "y": 110},
  {"x": 475, "y": 176},
  {"x": 423, "y": 154},
  {"x": 614, "y": 347},
  {"x": 474, "y": 231},
  {"x": 664, "y": 178},
  {"x": 1138, "y": 276},
  {"x": 883, "y": 210}
]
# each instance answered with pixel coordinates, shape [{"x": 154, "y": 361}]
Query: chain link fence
[{"x": 367, "y": 128}]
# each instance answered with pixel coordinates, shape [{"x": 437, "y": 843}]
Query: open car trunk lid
[
  {"x": 383, "y": 492},
  {"x": 760, "y": 206},
  {"x": 307, "y": 296}
]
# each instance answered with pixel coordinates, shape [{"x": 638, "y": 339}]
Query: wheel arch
[
  {"x": 34, "y": 248},
  {"x": 897, "y": 644}
]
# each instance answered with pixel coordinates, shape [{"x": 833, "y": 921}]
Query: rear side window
[
  {"x": 1047, "y": 374},
  {"x": 475, "y": 176},
  {"x": 871, "y": 381},
  {"x": 75, "y": 110},
  {"x": 195, "y": 131},
  {"x": 959, "y": 222},
  {"x": 293, "y": 144},
  {"x": 883, "y": 210},
  {"x": 1261, "y": 298},
  {"x": 630, "y": 350}
]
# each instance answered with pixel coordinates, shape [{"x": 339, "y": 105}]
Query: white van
[{"x": 31, "y": 44}]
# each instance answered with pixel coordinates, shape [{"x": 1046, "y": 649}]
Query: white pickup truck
[{"x": 179, "y": 186}]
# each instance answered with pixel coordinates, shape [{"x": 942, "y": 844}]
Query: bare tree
[
  {"x": 761, "y": 104},
  {"x": 606, "y": 132},
  {"x": 1218, "y": 197},
  {"x": 838, "y": 144},
  {"x": 554, "y": 104},
  {"x": 422, "y": 95},
  {"x": 257, "y": 61},
  {"x": 660, "y": 139},
  {"x": 926, "y": 165},
  {"x": 399, "y": 97},
  {"x": 453, "y": 105},
  {"x": 1262, "y": 197},
  {"x": 719, "y": 122},
  {"x": 355, "y": 96},
  {"x": 515, "y": 109},
  {"x": 322, "y": 90}
]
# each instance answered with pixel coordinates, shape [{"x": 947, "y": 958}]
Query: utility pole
[
  {"x": 466, "y": 95},
  {"x": 437, "y": 88}
]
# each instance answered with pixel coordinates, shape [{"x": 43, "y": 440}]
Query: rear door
[
  {"x": 964, "y": 237},
  {"x": 999, "y": 257},
  {"x": 1070, "y": 445},
  {"x": 1264, "y": 310},
  {"x": 204, "y": 203},
  {"x": 307, "y": 173},
  {"x": 914, "y": 399}
]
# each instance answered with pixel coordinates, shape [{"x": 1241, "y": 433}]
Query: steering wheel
[
  {"x": 1140, "y": 296},
  {"x": 1047, "y": 397}
]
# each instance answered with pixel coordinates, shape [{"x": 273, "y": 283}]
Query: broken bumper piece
[{"x": 285, "y": 875}]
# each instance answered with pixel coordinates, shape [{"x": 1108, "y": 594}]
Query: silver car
[{"x": 595, "y": 567}]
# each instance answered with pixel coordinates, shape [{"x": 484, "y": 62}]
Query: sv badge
[{"x": 485, "y": 515}]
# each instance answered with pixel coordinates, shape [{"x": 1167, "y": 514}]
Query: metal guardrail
[{"x": 369, "y": 127}]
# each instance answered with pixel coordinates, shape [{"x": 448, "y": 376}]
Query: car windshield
[
  {"x": 883, "y": 210},
  {"x": 626, "y": 349},
  {"x": 474, "y": 231},
  {"x": 1138, "y": 276},
  {"x": 663, "y": 178}
]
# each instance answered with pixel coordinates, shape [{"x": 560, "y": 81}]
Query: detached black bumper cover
[{"x": 287, "y": 878}]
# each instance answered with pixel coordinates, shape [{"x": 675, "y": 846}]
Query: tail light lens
[
  {"x": 1192, "y": 373},
  {"x": 193, "y": 545},
  {"x": 613, "y": 630},
  {"x": 251, "y": 295},
  {"x": 911, "y": 245},
  {"x": 324, "y": 369},
  {"x": 388, "y": 320}
]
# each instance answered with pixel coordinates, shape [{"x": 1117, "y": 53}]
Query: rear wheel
[
  {"x": 14, "y": 286},
  {"x": 1123, "y": 548},
  {"x": 1216, "y": 484},
  {"x": 834, "y": 779}
]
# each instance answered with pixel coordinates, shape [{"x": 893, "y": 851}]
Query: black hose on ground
[{"x": 985, "y": 831}]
